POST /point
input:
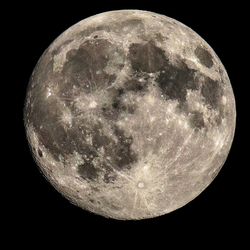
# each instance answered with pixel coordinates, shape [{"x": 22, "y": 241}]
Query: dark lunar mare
[
  {"x": 118, "y": 155},
  {"x": 174, "y": 80},
  {"x": 45, "y": 114},
  {"x": 61, "y": 142},
  {"x": 146, "y": 57},
  {"x": 85, "y": 66}
]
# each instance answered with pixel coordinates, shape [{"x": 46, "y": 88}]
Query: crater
[
  {"x": 140, "y": 184},
  {"x": 109, "y": 177},
  {"x": 205, "y": 58},
  {"x": 40, "y": 153}
]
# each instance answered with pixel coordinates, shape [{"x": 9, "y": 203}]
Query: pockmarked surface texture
[{"x": 130, "y": 114}]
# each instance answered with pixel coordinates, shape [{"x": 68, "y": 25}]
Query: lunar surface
[{"x": 130, "y": 114}]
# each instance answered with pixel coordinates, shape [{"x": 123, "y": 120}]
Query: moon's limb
[{"x": 130, "y": 114}]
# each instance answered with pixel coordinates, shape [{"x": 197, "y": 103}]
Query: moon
[{"x": 129, "y": 114}]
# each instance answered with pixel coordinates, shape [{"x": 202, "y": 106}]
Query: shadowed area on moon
[{"x": 103, "y": 112}]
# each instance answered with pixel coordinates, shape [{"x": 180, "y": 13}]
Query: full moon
[{"x": 129, "y": 114}]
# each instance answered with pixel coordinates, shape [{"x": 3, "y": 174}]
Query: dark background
[{"x": 35, "y": 208}]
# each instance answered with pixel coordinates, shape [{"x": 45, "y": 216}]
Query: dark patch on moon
[
  {"x": 55, "y": 141},
  {"x": 45, "y": 120},
  {"x": 204, "y": 56},
  {"x": 116, "y": 104},
  {"x": 88, "y": 171},
  {"x": 109, "y": 112},
  {"x": 99, "y": 139},
  {"x": 48, "y": 126},
  {"x": 197, "y": 120},
  {"x": 212, "y": 92},
  {"x": 117, "y": 154},
  {"x": 83, "y": 64},
  {"x": 123, "y": 155},
  {"x": 109, "y": 177},
  {"x": 40, "y": 153},
  {"x": 146, "y": 57},
  {"x": 120, "y": 91},
  {"x": 119, "y": 107},
  {"x": 174, "y": 81},
  {"x": 135, "y": 86}
]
